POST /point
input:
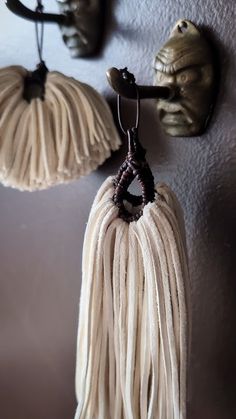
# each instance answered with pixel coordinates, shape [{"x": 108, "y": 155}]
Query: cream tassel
[
  {"x": 51, "y": 141},
  {"x": 132, "y": 336}
]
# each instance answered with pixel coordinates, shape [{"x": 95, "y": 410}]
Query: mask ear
[{"x": 208, "y": 74}]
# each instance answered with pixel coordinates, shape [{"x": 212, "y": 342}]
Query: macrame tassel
[
  {"x": 55, "y": 140},
  {"x": 132, "y": 336}
]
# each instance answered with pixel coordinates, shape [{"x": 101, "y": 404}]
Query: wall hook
[
  {"x": 81, "y": 23},
  {"x": 123, "y": 83},
  {"x": 185, "y": 82},
  {"x": 19, "y": 9}
]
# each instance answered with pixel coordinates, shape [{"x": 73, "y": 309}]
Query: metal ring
[{"x": 125, "y": 131}]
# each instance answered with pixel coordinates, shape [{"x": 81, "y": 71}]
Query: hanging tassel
[
  {"x": 132, "y": 336},
  {"x": 132, "y": 352},
  {"x": 61, "y": 137}
]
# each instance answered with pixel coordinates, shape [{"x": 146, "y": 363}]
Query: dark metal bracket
[
  {"x": 123, "y": 83},
  {"x": 16, "y": 7},
  {"x": 81, "y": 23}
]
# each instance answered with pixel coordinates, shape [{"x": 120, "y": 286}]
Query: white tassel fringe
[
  {"x": 132, "y": 336},
  {"x": 43, "y": 143}
]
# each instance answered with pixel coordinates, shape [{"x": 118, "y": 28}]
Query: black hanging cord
[
  {"x": 134, "y": 166},
  {"x": 34, "y": 83},
  {"x": 39, "y": 38}
]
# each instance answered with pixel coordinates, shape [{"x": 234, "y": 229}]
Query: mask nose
[{"x": 173, "y": 92}]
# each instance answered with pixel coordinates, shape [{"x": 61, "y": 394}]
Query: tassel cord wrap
[
  {"x": 132, "y": 347},
  {"x": 134, "y": 166}
]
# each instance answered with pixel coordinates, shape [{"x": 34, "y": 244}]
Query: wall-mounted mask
[
  {"x": 83, "y": 37},
  {"x": 185, "y": 63}
]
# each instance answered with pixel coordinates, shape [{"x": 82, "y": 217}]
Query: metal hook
[
  {"x": 81, "y": 23},
  {"x": 130, "y": 78},
  {"x": 123, "y": 87},
  {"x": 19, "y": 9}
]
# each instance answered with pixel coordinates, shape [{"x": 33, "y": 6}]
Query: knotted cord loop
[{"x": 134, "y": 166}]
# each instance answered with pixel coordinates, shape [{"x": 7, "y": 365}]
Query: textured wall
[{"x": 42, "y": 233}]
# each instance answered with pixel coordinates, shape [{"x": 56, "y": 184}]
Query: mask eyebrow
[
  {"x": 190, "y": 67},
  {"x": 175, "y": 72}
]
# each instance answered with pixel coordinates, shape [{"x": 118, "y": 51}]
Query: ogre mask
[
  {"x": 83, "y": 37},
  {"x": 185, "y": 63}
]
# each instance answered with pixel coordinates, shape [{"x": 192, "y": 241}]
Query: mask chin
[{"x": 187, "y": 130}]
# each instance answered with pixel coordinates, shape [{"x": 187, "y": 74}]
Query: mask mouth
[
  {"x": 77, "y": 45},
  {"x": 75, "y": 40},
  {"x": 176, "y": 115},
  {"x": 174, "y": 118}
]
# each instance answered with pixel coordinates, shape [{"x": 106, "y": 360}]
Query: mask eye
[
  {"x": 159, "y": 75},
  {"x": 188, "y": 76},
  {"x": 163, "y": 78}
]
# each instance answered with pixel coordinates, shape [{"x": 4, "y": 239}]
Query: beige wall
[{"x": 41, "y": 234}]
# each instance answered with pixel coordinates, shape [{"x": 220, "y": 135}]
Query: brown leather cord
[{"x": 135, "y": 166}]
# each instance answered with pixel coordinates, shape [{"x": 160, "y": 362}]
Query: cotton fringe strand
[
  {"x": 132, "y": 336},
  {"x": 51, "y": 141}
]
